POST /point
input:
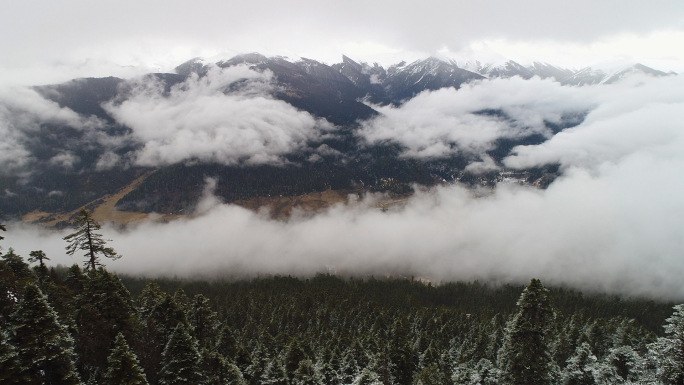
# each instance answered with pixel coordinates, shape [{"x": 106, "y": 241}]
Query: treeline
[{"x": 73, "y": 326}]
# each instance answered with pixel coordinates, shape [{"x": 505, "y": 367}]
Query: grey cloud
[
  {"x": 200, "y": 121},
  {"x": 42, "y": 31},
  {"x": 22, "y": 112}
]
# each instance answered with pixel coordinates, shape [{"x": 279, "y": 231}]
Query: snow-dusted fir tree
[
  {"x": 524, "y": 357},
  {"x": 581, "y": 367},
  {"x": 623, "y": 364},
  {"x": 124, "y": 368},
  {"x": 180, "y": 359},
  {"x": 367, "y": 377},
  {"x": 11, "y": 372},
  {"x": 306, "y": 374},
  {"x": 216, "y": 370},
  {"x": 203, "y": 319},
  {"x": 43, "y": 345},
  {"x": 429, "y": 376},
  {"x": 226, "y": 344},
  {"x": 87, "y": 239},
  {"x": 669, "y": 350}
]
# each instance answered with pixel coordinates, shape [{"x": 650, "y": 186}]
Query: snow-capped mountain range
[{"x": 403, "y": 80}]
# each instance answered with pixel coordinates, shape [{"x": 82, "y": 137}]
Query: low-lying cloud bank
[
  {"x": 613, "y": 221},
  {"x": 619, "y": 229}
]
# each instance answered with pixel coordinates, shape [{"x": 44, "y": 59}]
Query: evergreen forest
[{"x": 73, "y": 325}]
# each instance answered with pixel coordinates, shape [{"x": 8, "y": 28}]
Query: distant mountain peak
[{"x": 611, "y": 71}]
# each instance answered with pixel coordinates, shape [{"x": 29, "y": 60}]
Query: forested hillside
[{"x": 62, "y": 326}]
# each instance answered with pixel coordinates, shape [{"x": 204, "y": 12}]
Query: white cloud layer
[
  {"x": 444, "y": 122},
  {"x": 199, "y": 121},
  {"x": 639, "y": 117}
]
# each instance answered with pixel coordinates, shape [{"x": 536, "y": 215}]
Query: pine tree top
[
  {"x": 87, "y": 239},
  {"x": 124, "y": 367}
]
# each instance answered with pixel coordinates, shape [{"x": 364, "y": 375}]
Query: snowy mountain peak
[{"x": 611, "y": 71}]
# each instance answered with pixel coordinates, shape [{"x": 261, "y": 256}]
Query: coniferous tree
[
  {"x": 203, "y": 319},
  {"x": 216, "y": 370},
  {"x": 581, "y": 367},
  {"x": 623, "y": 364},
  {"x": 43, "y": 345},
  {"x": 485, "y": 373},
  {"x": 429, "y": 376},
  {"x": 182, "y": 301},
  {"x": 75, "y": 279},
  {"x": 87, "y": 239},
  {"x": 295, "y": 355},
  {"x": 306, "y": 374},
  {"x": 157, "y": 329},
  {"x": 16, "y": 263},
  {"x": 227, "y": 345},
  {"x": 525, "y": 356},
  {"x": 275, "y": 374},
  {"x": 180, "y": 360},
  {"x": 123, "y": 366},
  {"x": 11, "y": 372},
  {"x": 104, "y": 309},
  {"x": 669, "y": 350},
  {"x": 367, "y": 377},
  {"x": 41, "y": 270},
  {"x": 148, "y": 299}
]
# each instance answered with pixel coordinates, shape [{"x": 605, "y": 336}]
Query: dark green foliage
[
  {"x": 226, "y": 344},
  {"x": 525, "y": 355},
  {"x": 160, "y": 316},
  {"x": 43, "y": 345},
  {"x": 123, "y": 366},
  {"x": 104, "y": 309},
  {"x": 11, "y": 372},
  {"x": 38, "y": 256},
  {"x": 294, "y": 356},
  {"x": 87, "y": 239},
  {"x": 14, "y": 275},
  {"x": 16, "y": 263},
  {"x": 306, "y": 374},
  {"x": 216, "y": 370},
  {"x": 75, "y": 279},
  {"x": 41, "y": 270},
  {"x": 204, "y": 320},
  {"x": 180, "y": 363},
  {"x": 329, "y": 330},
  {"x": 431, "y": 375}
]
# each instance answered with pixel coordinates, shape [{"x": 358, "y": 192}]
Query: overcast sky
[{"x": 44, "y": 41}]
